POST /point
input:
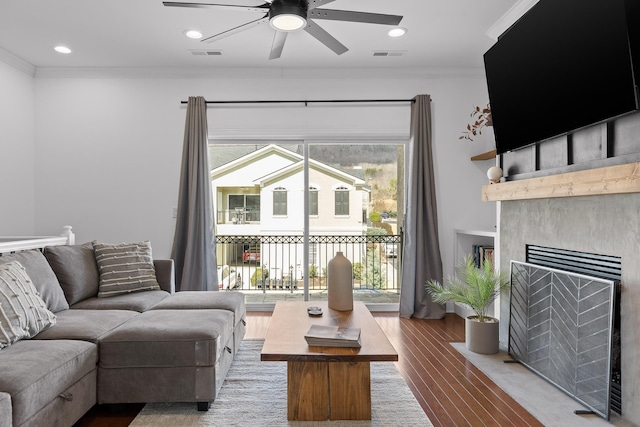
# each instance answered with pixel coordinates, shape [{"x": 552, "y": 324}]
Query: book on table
[{"x": 333, "y": 336}]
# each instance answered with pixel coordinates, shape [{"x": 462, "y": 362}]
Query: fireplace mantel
[{"x": 607, "y": 180}]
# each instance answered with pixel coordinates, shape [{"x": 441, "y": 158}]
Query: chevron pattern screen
[{"x": 561, "y": 328}]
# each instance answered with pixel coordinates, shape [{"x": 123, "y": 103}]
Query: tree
[
  {"x": 376, "y": 231},
  {"x": 313, "y": 271},
  {"x": 357, "y": 270},
  {"x": 375, "y": 271}
]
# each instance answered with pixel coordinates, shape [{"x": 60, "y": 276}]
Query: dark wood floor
[{"x": 451, "y": 391}]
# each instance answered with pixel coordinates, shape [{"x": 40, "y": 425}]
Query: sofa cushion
[
  {"x": 76, "y": 269},
  {"x": 199, "y": 300},
  {"x": 85, "y": 325},
  {"x": 23, "y": 314},
  {"x": 125, "y": 268},
  {"x": 137, "y": 301},
  {"x": 42, "y": 276},
  {"x": 35, "y": 372}
]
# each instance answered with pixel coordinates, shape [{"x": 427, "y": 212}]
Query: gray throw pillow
[
  {"x": 42, "y": 277},
  {"x": 76, "y": 269},
  {"x": 125, "y": 268},
  {"x": 23, "y": 314}
]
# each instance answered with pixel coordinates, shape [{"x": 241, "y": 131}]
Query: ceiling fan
[{"x": 287, "y": 16}]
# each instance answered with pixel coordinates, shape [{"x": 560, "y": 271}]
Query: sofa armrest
[{"x": 165, "y": 274}]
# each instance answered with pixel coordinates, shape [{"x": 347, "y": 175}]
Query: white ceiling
[{"x": 443, "y": 34}]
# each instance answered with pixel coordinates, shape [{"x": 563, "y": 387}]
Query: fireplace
[
  {"x": 564, "y": 324},
  {"x": 601, "y": 224}
]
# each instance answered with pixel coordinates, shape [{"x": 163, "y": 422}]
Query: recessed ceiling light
[
  {"x": 193, "y": 34},
  {"x": 62, "y": 49},
  {"x": 397, "y": 32}
]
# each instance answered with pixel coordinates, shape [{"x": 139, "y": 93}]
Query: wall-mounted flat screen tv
[{"x": 565, "y": 65}]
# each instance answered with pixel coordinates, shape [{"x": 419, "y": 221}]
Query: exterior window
[
  {"x": 313, "y": 201},
  {"x": 280, "y": 201},
  {"x": 236, "y": 201},
  {"x": 244, "y": 208},
  {"x": 342, "y": 201}
]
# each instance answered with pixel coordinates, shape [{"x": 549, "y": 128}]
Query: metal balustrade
[
  {"x": 238, "y": 216},
  {"x": 275, "y": 263}
]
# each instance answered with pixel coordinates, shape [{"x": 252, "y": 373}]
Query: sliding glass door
[{"x": 283, "y": 209}]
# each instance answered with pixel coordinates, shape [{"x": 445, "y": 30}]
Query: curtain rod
[{"x": 311, "y": 101}]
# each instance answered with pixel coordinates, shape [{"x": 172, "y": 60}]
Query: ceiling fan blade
[
  {"x": 317, "y": 3},
  {"x": 250, "y": 8},
  {"x": 351, "y": 16},
  {"x": 325, "y": 38},
  {"x": 237, "y": 29},
  {"x": 278, "y": 43}
]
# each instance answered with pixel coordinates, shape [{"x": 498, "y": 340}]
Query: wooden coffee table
[{"x": 326, "y": 382}]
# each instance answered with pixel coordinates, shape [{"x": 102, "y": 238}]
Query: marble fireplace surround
[{"x": 606, "y": 221}]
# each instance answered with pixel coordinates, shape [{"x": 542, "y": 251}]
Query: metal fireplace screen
[{"x": 560, "y": 327}]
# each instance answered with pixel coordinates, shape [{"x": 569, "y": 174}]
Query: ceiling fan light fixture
[
  {"x": 287, "y": 22},
  {"x": 288, "y": 17}
]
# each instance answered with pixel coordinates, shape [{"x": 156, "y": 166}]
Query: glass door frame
[{"x": 386, "y": 138}]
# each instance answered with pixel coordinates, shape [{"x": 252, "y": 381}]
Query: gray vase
[{"x": 482, "y": 337}]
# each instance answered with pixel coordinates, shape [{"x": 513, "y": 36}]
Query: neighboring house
[{"x": 262, "y": 194}]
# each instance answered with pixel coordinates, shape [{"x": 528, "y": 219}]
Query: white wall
[
  {"x": 108, "y": 148},
  {"x": 17, "y": 145},
  {"x": 459, "y": 181}
]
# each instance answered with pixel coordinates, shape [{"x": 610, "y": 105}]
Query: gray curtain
[
  {"x": 421, "y": 252},
  {"x": 194, "y": 243}
]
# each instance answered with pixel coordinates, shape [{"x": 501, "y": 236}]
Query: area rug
[{"x": 254, "y": 393}]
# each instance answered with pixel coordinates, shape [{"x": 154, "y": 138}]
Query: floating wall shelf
[{"x": 485, "y": 156}]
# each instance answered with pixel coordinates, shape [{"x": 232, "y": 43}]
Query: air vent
[
  {"x": 205, "y": 52},
  {"x": 389, "y": 52}
]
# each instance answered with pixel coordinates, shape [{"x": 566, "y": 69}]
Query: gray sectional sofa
[{"x": 153, "y": 345}]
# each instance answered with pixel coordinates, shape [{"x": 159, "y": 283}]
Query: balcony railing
[
  {"x": 266, "y": 263},
  {"x": 238, "y": 216}
]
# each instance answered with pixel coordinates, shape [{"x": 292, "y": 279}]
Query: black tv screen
[{"x": 565, "y": 65}]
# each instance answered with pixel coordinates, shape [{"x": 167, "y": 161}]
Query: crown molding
[
  {"x": 17, "y": 62},
  {"x": 263, "y": 73},
  {"x": 508, "y": 19}
]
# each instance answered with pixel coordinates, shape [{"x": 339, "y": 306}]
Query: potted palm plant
[{"x": 476, "y": 288}]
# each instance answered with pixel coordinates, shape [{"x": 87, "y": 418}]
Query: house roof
[
  {"x": 248, "y": 158},
  {"x": 297, "y": 163}
]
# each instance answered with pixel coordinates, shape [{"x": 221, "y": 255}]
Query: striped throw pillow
[
  {"x": 125, "y": 268},
  {"x": 23, "y": 313}
]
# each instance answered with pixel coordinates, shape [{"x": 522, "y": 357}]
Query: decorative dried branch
[{"x": 481, "y": 118}]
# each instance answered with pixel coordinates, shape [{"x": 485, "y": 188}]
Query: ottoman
[
  {"x": 199, "y": 300},
  {"x": 166, "y": 356}
]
